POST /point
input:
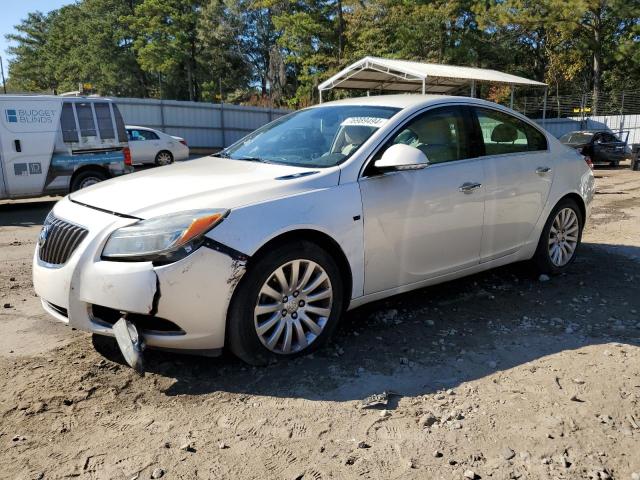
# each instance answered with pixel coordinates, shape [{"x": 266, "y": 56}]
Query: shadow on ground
[
  {"x": 439, "y": 337},
  {"x": 26, "y": 213}
]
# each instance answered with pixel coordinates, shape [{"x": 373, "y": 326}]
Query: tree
[
  {"x": 30, "y": 68},
  {"x": 167, "y": 43}
]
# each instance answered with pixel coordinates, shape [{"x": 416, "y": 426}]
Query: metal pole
[
  {"x": 544, "y": 108},
  {"x": 222, "y": 127},
  {"x": 424, "y": 86},
  {"x": 4, "y": 84},
  {"x": 622, "y": 113},
  {"x": 511, "y": 105},
  {"x": 473, "y": 88}
]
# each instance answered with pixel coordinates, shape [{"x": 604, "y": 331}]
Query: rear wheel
[
  {"x": 164, "y": 158},
  {"x": 287, "y": 305},
  {"x": 86, "y": 179},
  {"x": 560, "y": 239}
]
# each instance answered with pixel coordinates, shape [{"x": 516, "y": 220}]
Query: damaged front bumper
[{"x": 179, "y": 306}]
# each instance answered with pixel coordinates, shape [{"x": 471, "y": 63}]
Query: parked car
[
  {"x": 601, "y": 146},
  {"x": 263, "y": 247},
  {"x": 55, "y": 145},
  {"x": 152, "y": 146}
]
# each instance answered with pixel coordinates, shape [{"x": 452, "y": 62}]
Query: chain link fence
[{"x": 617, "y": 112}]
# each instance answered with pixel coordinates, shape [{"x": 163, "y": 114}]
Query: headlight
[{"x": 165, "y": 239}]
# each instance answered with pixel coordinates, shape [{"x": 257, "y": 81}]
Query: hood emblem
[{"x": 44, "y": 234}]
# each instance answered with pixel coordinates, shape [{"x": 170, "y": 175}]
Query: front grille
[{"x": 58, "y": 240}]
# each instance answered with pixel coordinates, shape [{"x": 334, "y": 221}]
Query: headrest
[
  {"x": 433, "y": 131},
  {"x": 356, "y": 134},
  {"x": 504, "y": 133}
]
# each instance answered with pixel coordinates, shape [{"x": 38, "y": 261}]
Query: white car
[
  {"x": 262, "y": 248},
  {"x": 152, "y": 146}
]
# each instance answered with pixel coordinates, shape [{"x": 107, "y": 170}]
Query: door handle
[
  {"x": 469, "y": 187},
  {"x": 17, "y": 145},
  {"x": 541, "y": 170}
]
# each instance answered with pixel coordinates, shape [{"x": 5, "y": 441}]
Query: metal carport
[{"x": 386, "y": 75}]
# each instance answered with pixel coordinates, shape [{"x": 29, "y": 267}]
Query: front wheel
[
  {"x": 287, "y": 305},
  {"x": 560, "y": 239}
]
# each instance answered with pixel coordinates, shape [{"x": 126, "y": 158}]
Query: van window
[
  {"x": 85, "y": 120},
  {"x": 105, "y": 124},
  {"x": 122, "y": 132},
  {"x": 68, "y": 123}
]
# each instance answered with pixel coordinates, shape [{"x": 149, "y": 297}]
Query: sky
[{"x": 15, "y": 10}]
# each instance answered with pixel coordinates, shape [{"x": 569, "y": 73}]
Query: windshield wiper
[
  {"x": 251, "y": 159},
  {"x": 246, "y": 158}
]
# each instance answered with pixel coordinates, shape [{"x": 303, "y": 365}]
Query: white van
[{"x": 56, "y": 145}]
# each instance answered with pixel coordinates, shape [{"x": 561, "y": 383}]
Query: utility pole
[{"x": 4, "y": 84}]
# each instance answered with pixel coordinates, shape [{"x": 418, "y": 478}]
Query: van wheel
[
  {"x": 287, "y": 304},
  {"x": 86, "y": 179},
  {"x": 164, "y": 158}
]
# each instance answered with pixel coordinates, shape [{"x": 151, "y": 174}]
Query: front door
[
  {"x": 420, "y": 224},
  {"x": 518, "y": 172}
]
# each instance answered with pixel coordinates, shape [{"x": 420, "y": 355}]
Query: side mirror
[{"x": 401, "y": 157}]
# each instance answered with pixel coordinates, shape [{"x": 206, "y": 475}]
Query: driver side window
[{"x": 441, "y": 134}]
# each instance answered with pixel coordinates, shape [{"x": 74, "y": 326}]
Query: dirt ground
[{"x": 499, "y": 375}]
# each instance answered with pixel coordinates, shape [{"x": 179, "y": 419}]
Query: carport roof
[{"x": 382, "y": 74}]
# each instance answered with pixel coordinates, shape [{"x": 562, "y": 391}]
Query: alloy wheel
[
  {"x": 563, "y": 237},
  {"x": 164, "y": 158},
  {"x": 293, "y": 306}
]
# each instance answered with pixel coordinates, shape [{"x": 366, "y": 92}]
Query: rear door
[
  {"x": 28, "y": 134},
  {"x": 144, "y": 145},
  {"x": 3, "y": 190},
  {"x": 518, "y": 172}
]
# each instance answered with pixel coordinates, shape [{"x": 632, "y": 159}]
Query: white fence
[
  {"x": 212, "y": 125},
  {"x": 204, "y": 125},
  {"x": 615, "y": 123}
]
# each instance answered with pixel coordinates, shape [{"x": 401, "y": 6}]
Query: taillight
[
  {"x": 184, "y": 142},
  {"x": 587, "y": 159},
  {"x": 127, "y": 156}
]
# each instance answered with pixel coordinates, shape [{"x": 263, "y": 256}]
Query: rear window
[
  {"x": 68, "y": 124},
  {"x": 122, "y": 132},
  {"x": 105, "y": 123},
  {"x": 576, "y": 137},
  {"x": 503, "y": 133},
  {"x": 85, "y": 120}
]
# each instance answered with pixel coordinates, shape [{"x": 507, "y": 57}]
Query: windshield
[
  {"x": 576, "y": 137},
  {"x": 316, "y": 137}
]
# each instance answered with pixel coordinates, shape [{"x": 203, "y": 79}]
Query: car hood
[{"x": 208, "y": 182}]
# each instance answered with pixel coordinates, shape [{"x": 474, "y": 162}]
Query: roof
[
  {"x": 44, "y": 97},
  {"x": 408, "y": 100},
  {"x": 401, "y": 100},
  {"x": 382, "y": 74}
]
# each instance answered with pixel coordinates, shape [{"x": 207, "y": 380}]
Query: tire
[
  {"x": 289, "y": 315},
  {"x": 86, "y": 179},
  {"x": 164, "y": 157},
  {"x": 543, "y": 260}
]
